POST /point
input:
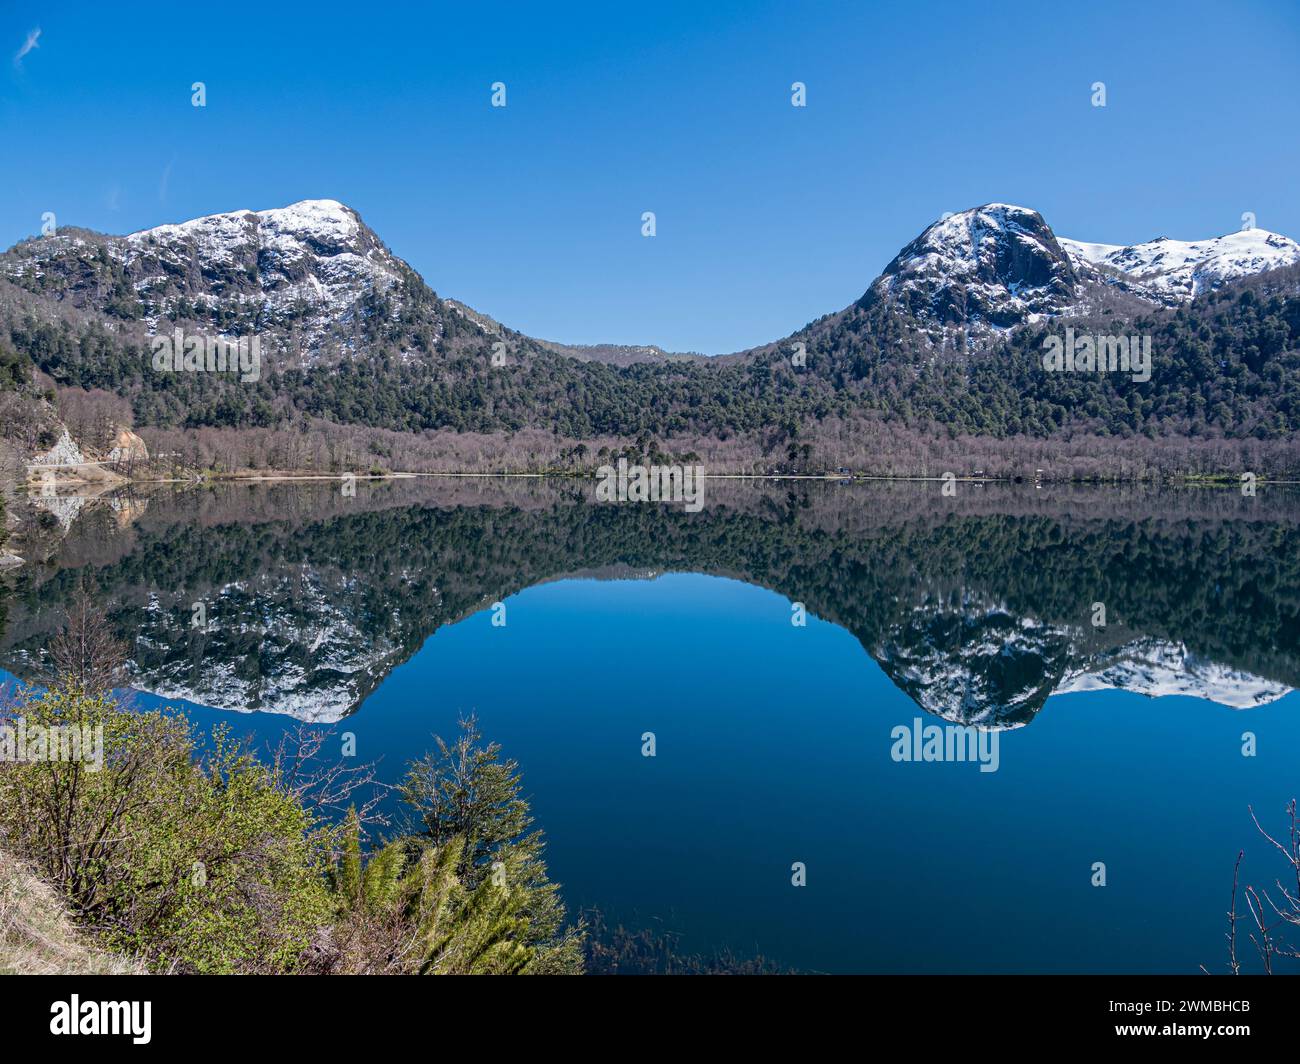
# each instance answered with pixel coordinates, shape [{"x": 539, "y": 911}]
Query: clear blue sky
[{"x": 768, "y": 215}]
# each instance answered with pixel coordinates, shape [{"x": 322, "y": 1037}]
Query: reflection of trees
[{"x": 872, "y": 563}]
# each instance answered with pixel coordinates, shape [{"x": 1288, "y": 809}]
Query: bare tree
[
  {"x": 330, "y": 787},
  {"x": 1274, "y": 912},
  {"x": 87, "y": 654},
  {"x": 94, "y": 417}
]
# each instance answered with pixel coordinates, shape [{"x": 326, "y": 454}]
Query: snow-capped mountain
[
  {"x": 309, "y": 263},
  {"x": 310, "y": 278},
  {"x": 1178, "y": 270},
  {"x": 979, "y": 664},
  {"x": 315, "y": 282},
  {"x": 320, "y": 291},
  {"x": 998, "y": 266},
  {"x": 1155, "y": 668}
]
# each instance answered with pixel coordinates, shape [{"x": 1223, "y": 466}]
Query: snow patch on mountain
[
  {"x": 299, "y": 271},
  {"x": 327, "y": 221},
  {"x": 1180, "y": 270},
  {"x": 1156, "y": 669},
  {"x": 996, "y": 267}
]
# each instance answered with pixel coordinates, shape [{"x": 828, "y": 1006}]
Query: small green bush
[{"x": 195, "y": 861}]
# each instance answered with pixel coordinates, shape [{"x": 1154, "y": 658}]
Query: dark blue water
[
  {"x": 773, "y": 746},
  {"x": 774, "y": 742}
]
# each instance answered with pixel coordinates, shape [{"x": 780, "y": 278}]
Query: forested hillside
[
  {"x": 1228, "y": 363},
  {"x": 380, "y": 350}
]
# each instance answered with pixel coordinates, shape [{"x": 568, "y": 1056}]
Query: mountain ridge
[
  {"x": 944, "y": 343},
  {"x": 1000, "y": 266},
  {"x": 1012, "y": 266}
]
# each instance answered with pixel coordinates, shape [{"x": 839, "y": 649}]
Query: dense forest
[{"x": 1227, "y": 364}]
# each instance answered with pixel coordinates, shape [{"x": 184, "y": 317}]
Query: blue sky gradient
[{"x": 768, "y": 215}]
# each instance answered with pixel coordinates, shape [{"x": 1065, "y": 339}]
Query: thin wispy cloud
[{"x": 28, "y": 45}]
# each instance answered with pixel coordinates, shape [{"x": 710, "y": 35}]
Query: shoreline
[{"x": 1225, "y": 480}]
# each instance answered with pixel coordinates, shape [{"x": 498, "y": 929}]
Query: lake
[{"x": 810, "y": 661}]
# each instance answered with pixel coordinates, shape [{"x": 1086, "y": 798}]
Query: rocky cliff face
[
  {"x": 994, "y": 266},
  {"x": 127, "y": 447}
]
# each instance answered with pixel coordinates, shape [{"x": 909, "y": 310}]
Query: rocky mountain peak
[
  {"x": 304, "y": 268},
  {"x": 309, "y": 278},
  {"x": 324, "y": 227},
  {"x": 994, "y": 266}
]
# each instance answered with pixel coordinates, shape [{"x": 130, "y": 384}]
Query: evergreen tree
[{"x": 465, "y": 796}]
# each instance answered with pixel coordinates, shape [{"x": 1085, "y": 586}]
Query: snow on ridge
[
  {"x": 305, "y": 267},
  {"x": 949, "y": 248},
  {"x": 326, "y": 227},
  {"x": 1186, "y": 268},
  {"x": 307, "y": 214},
  {"x": 995, "y": 267},
  {"x": 969, "y": 226},
  {"x": 312, "y": 218},
  {"x": 1157, "y": 669}
]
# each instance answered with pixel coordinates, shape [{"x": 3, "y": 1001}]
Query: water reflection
[{"x": 294, "y": 598}]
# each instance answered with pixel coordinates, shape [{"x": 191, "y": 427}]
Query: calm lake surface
[{"x": 775, "y": 742}]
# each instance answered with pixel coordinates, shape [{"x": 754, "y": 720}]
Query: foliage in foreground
[
  {"x": 38, "y": 938},
  {"x": 465, "y": 891},
  {"x": 196, "y": 862},
  {"x": 405, "y": 911},
  {"x": 198, "y": 857}
]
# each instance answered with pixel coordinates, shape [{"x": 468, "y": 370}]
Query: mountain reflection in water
[{"x": 978, "y": 607}]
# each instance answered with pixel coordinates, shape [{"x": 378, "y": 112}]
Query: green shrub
[{"x": 197, "y": 862}]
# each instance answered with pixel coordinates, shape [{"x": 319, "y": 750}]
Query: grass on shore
[{"x": 37, "y": 937}]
